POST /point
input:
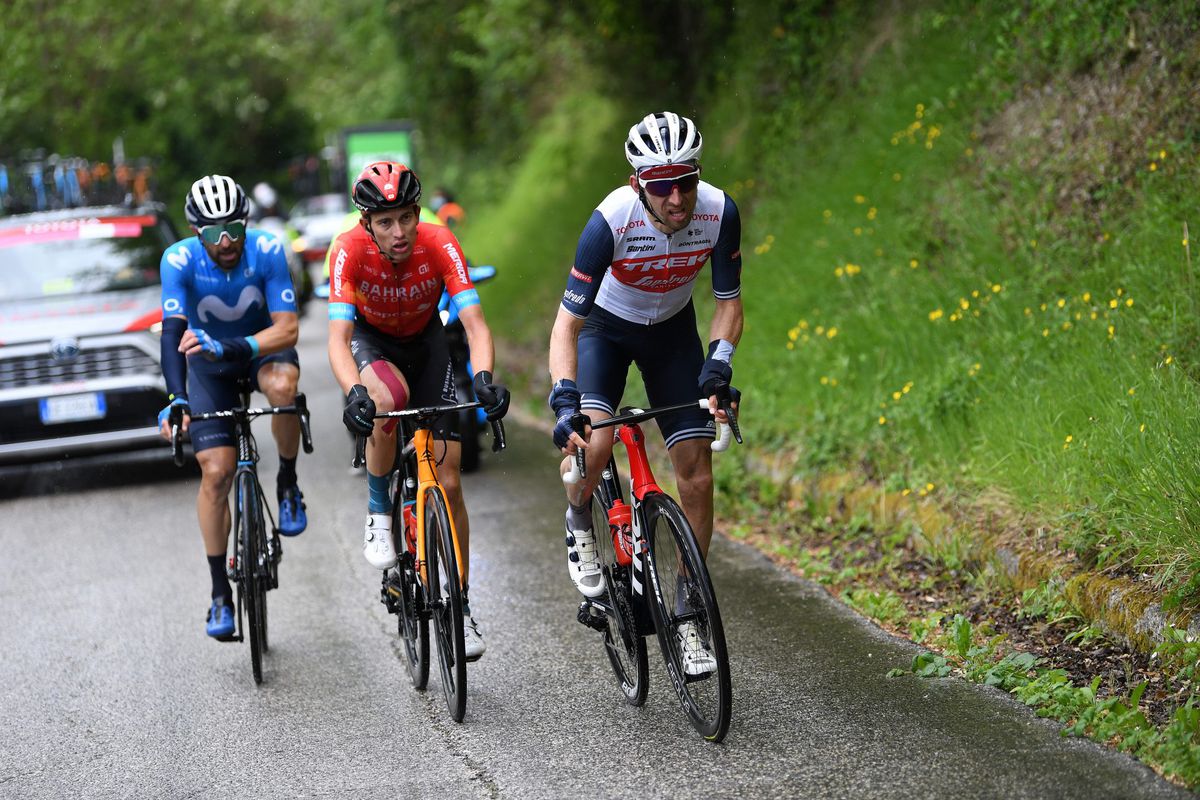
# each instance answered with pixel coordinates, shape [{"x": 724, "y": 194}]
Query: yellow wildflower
[{"x": 882, "y": 420}]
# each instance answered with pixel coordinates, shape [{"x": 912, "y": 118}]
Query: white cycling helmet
[
  {"x": 663, "y": 138},
  {"x": 214, "y": 199}
]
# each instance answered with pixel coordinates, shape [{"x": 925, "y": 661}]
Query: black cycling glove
[
  {"x": 715, "y": 371},
  {"x": 494, "y": 396},
  {"x": 359, "y": 414},
  {"x": 564, "y": 400}
]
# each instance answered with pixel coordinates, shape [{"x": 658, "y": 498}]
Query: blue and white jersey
[
  {"x": 237, "y": 302},
  {"x": 633, "y": 270}
]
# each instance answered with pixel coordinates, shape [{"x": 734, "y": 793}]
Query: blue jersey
[{"x": 238, "y": 302}]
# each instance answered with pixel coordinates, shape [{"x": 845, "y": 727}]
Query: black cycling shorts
[
  {"x": 423, "y": 360},
  {"x": 213, "y": 386},
  {"x": 667, "y": 353}
]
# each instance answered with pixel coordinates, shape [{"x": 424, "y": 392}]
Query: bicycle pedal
[{"x": 592, "y": 617}]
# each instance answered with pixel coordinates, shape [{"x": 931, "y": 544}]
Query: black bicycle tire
[
  {"x": 446, "y": 611},
  {"x": 469, "y": 431},
  {"x": 248, "y": 540},
  {"x": 629, "y": 645},
  {"x": 412, "y": 623},
  {"x": 412, "y": 617},
  {"x": 712, "y": 723}
]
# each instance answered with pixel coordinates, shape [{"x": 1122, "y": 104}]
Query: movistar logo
[
  {"x": 179, "y": 258},
  {"x": 213, "y": 307},
  {"x": 269, "y": 244}
]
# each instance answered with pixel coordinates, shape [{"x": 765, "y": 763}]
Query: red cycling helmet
[{"x": 385, "y": 185}]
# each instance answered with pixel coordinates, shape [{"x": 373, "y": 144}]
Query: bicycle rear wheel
[
  {"x": 623, "y": 643},
  {"x": 412, "y": 620},
  {"x": 445, "y": 603},
  {"x": 252, "y": 586},
  {"x": 683, "y": 596}
]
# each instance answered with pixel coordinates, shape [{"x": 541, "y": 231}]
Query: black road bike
[{"x": 254, "y": 566}]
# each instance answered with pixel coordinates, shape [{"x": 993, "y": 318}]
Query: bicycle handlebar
[
  {"x": 578, "y": 469},
  {"x": 299, "y": 407},
  {"x": 427, "y": 415}
]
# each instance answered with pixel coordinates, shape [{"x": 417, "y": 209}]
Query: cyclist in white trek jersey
[{"x": 629, "y": 300}]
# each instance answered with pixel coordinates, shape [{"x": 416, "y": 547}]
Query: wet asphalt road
[{"x": 109, "y": 688}]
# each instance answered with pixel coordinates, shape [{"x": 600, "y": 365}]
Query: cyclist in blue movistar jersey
[
  {"x": 628, "y": 300},
  {"x": 229, "y": 311}
]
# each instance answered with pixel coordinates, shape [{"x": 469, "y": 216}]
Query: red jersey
[{"x": 396, "y": 299}]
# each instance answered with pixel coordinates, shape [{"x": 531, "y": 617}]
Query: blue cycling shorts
[
  {"x": 213, "y": 386},
  {"x": 669, "y": 356}
]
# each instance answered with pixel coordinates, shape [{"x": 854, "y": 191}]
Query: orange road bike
[
  {"x": 419, "y": 587},
  {"x": 649, "y": 542}
]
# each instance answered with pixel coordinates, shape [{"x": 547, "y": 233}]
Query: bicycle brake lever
[
  {"x": 498, "y": 443},
  {"x": 578, "y": 468},
  {"x": 727, "y": 407},
  {"x": 301, "y": 404},
  {"x": 176, "y": 419},
  {"x": 360, "y": 452}
]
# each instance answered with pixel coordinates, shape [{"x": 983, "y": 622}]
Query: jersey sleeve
[
  {"x": 342, "y": 304},
  {"x": 593, "y": 257},
  {"x": 727, "y": 254},
  {"x": 281, "y": 294},
  {"x": 454, "y": 271},
  {"x": 174, "y": 269}
]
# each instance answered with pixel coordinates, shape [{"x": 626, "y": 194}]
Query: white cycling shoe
[
  {"x": 474, "y": 646},
  {"x": 377, "y": 542},
  {"x": 583, "y": 562},
  {"x": 697, "y": 657}
]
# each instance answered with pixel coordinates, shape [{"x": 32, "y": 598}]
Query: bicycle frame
[
  {"x": 427, "y": 478},
  {"x": 422, "y": 443}
]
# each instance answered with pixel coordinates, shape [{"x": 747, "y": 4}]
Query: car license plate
[{"x": 72, "y": 408}]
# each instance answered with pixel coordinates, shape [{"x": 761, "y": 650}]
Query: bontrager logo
[{"x": 211, "y": 306}]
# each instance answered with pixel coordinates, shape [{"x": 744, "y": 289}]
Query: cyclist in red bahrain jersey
[{"x": 388, "y": 350}]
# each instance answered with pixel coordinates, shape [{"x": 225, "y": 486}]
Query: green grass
[{"x": 963, "y": 256}]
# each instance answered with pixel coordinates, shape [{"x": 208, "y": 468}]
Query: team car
[{"x": 79, "y": 331}]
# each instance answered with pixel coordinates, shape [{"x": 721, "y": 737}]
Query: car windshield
[{"x": 80, "y": 256}]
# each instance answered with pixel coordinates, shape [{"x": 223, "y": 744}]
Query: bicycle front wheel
[
  {"x": 687, "y": 619},
  {"x": 445, "y": 603},
  {"x": 253, "y": 584},
  {"x": 623, "y": 643}
]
